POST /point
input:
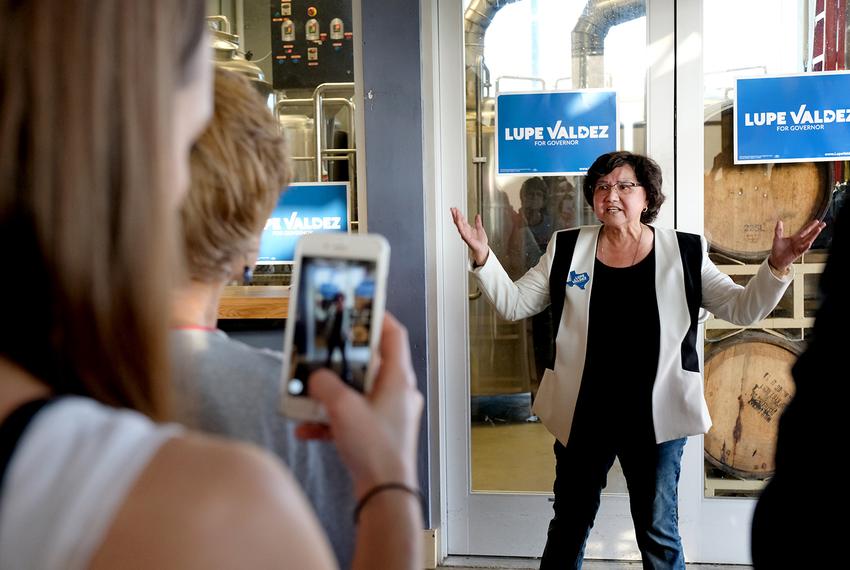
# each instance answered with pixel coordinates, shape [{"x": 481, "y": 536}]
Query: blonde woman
[{"x": 100, "y": 102}]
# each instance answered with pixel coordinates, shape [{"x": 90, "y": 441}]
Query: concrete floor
[
  {"x": 477, "y": 563},
  {"x": 532, "y": 465},
  {"x": 531, "y": 469}
]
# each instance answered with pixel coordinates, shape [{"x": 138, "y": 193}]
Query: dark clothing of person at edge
[
  {"x": 793, "y": 525},
  {"x": 625, "y": 381}
]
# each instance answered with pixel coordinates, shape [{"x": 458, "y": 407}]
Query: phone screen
[{"x": 333, "y": 321}]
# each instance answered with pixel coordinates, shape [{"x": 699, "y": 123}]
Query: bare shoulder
[{"x": 203, "y": 502}]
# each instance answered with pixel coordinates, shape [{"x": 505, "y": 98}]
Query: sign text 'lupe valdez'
[
  {"x": 557, "y": 134},
  {"x": 554, "y": 132},
  {"x": 303, "y": 208},
  {"x": 802, "y": 119},
  {"x": 792, "y": 118}
]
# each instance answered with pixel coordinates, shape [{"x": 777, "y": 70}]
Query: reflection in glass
[
  {"x": 526, "y": 46},
  {"x": 747, "y": 374}
]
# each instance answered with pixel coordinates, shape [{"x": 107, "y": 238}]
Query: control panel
[{"x": 311, "y": 43}]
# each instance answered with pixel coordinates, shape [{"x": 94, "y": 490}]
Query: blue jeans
[{"x": 652, "y": 475}]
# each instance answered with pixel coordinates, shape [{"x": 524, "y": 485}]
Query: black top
[{"x": 623, "y": 343}]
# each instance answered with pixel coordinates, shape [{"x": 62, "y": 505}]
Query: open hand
[
  {"x": 475, "y": 237},
  {"x": 786, "y": 250}
]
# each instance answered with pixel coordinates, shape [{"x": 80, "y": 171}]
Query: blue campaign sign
[
  {"x": 792, "y": 118},
  {"x": 303, "y": 208},
  {"x": 554, "y": 132}
]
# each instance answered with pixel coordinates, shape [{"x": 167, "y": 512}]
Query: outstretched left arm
[{"x": 786, "y": 250}]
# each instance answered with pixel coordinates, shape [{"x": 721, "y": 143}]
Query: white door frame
[
  {"x": 718, "y": 529},
  {"x": 713, "y": 530}
]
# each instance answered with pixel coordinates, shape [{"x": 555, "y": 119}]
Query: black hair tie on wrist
[{"x": 379, "y": 489}]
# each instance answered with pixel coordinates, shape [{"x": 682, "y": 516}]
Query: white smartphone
[{"x": 336, "y": 309}]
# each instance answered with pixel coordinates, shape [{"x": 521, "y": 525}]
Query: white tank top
[{"x": 69, "y": 475}]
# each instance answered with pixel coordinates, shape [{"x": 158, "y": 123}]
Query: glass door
[
  {"x": 673, "y": 65},
  {"x": 533, "y": 45},
  {"x": 500, "y": 457},
  {"x": 746, "y": 371}
]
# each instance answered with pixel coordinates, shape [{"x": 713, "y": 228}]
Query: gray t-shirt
[{"x": 229, "y": 388}]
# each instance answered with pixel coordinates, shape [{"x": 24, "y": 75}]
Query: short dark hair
[{"x": 648, "y": 175}]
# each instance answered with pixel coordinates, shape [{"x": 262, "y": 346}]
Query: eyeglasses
[{"x": 623, "y": 187}]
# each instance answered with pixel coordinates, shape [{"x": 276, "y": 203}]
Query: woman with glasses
[{"x": 626, "y": 380}]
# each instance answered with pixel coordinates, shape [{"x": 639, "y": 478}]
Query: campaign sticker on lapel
[{"x": 578, "y": 280}]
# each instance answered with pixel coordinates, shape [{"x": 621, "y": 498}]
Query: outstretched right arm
[
  {"x": 513, "y": 300},
  {"x": 474, "y": 237}
]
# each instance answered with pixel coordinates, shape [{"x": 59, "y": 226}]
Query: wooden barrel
[
  {"x": 747, "y": 386},
  {"x": 744, "y": 201}
]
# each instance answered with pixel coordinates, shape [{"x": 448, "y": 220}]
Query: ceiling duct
[
  {"x": 477, "y": 18},
  {"x": 588, "y": 38}
]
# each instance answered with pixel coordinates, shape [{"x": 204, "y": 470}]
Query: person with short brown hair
[{"x": 239, "y": 168}]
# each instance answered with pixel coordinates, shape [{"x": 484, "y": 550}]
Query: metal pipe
[
  {"x": 542, "y": 82},
  {"x": 239, "y": 16},
  {"x": 324, "y": 156},
  {"x": 476, "y": 19},
  {"x": 478, "y": 159},
  {"x": 309, "y": 103},
  {"x": 291, "y": 103},
  {"x": 317, "y": 102},
  {"x": 318, "y": 95},
  {"x": 588, "y": 36},
  {"x": 346, "y": 88},
  {"x": 560, "y": 80},
  {"x": 482, "y": 79},
  {"x": 807, "y": 30},
  {"x": 318, "y": 131},
  {"x": 323, "y": 153},
  {"x": 224, "y": 23}
]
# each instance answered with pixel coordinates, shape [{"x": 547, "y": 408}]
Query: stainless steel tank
[
  {"x": 334, "y": 142},
  {"x": 299, "y": 132},
  {"x": 226, "y": 54}
]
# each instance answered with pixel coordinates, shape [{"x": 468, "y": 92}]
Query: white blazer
[{"x": 678, "y": 403}]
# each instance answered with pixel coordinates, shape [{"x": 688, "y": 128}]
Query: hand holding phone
[
  {"x": 335, "y": 314},
  {"x": 376, "y": 435}
]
